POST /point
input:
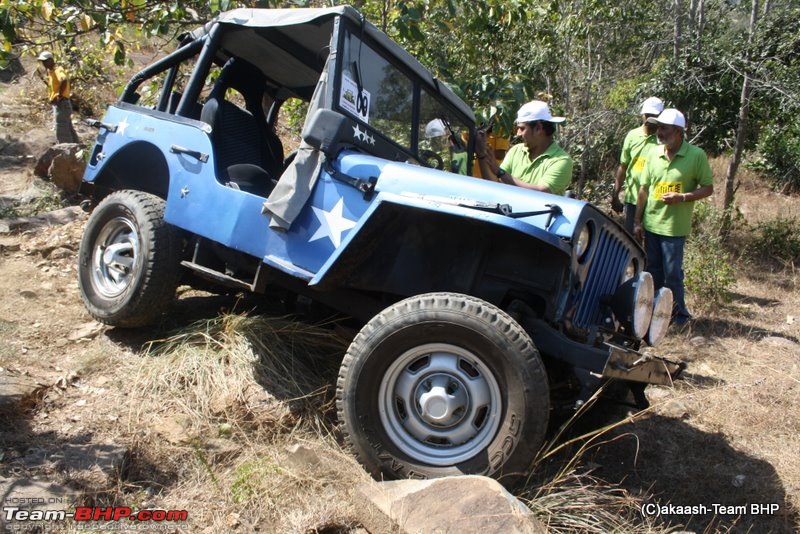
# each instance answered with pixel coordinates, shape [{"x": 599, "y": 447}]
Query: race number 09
[{"x": 362, "y": 103}]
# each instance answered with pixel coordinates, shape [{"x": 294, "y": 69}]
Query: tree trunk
[
  {"x": 677, "y": 43},
  {"x": 741, "y": 130}
]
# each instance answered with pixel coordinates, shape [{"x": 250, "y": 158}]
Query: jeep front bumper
[
  {"x": 628, "y": 364},
  {"x": 610, "y": 361}
]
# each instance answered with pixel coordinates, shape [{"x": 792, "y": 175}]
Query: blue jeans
[{"x": 665, "y": 263}]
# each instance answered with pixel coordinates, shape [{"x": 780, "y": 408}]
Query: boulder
[
  {"x": 63, "y": 164},
  {"x": 450, "y": 504}
]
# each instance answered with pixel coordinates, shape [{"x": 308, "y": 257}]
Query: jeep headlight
[
  {"x": 662, "y": 313},
  {"x": 582, "y": 242},
  {"x": 630, "y": 269},
  {"x": 633, "y": 304}
]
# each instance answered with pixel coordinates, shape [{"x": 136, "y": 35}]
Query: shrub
[
  {"x": 707, "y": 266},
  {"x": 778, "y": 239},
  {"x": 779, "y": 149}
]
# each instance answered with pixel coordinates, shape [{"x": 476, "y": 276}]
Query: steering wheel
[{"x": 433, "y": 159}]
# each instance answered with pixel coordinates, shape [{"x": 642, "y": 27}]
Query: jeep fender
[{"x": 408, "y": 245}]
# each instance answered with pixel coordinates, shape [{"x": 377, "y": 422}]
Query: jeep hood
[{"x": 447, "y": 188}]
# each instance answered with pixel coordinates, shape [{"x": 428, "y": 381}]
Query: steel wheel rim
[
  {"x": 115, "y": 254},
  {"x": 439, "y": 404}
]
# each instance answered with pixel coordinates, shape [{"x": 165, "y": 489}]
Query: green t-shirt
[
  {"x": 634, "y": 154},
  {"x": 687, "y": 171},
  {"x": 552, "y": 168},
  {"x": 458, "y": 162}
]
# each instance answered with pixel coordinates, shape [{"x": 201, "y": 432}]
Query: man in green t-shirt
[
  {"x": 637, "y": 144},
  {"x": 537, "y": 162},
  {"x": 673, "y": 178}
]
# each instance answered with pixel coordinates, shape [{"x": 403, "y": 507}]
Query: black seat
[{"x": 248, "y": 154}]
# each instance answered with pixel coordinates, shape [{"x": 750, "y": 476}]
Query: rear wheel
[
  {"x": 129, "y": 260},
  {"x": 443, "y": 384}
]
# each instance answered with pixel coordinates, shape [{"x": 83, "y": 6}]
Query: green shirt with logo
[
  {"x": 635, "y": 148},
  {"x": 687, "y": 171},
  {"x": 552, "y": 168}
]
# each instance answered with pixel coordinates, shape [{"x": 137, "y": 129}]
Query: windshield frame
[{"x": 412, "y": 150}]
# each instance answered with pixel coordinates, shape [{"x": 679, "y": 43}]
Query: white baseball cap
[
  {"x": 45, "y": 55},
  {"x": 670, "y": 116},
  {"x": 652, "y": 106},
  {"x": 536, "y": 110}
]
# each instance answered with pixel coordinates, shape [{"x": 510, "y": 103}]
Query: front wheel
[
  {"x": 443, "y": 384},
  {"x": 129, "y": 260}
]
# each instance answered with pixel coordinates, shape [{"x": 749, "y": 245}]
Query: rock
[
  {"x": 66, "y": 170},
  {"x": 173, "y": 429},
  {"x": 233, "y": 521},
  {"x": 220, "y": 450},
  {"x": 28, "y": 494},
  {"x": 451, "y": 504},
  {"x": 301, "y": 456},
  {"x": 676, "y": 409},
  {"x": 12, "y": 70},
  {"x": 18, "y": 392},
  {"x": 88, "y": 330},
  {"x": 53, "y": 218},
  {"x": 60, "y": 253},
  {"x": 655, "y": 393},
  {"x": 108, "y": 459},
  {"x": 42, "y": 167}
]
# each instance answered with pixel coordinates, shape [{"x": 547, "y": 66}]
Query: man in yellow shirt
[{"x": 58, "y": 95}]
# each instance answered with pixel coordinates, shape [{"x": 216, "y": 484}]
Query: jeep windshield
[{"x": 385, "y": 97}]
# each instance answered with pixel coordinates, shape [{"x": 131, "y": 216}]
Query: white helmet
[{"x": 435, "y": 128}]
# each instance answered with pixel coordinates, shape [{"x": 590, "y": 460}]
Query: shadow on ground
[{"x": 675, "y": 463}]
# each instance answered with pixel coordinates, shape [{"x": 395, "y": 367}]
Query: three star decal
[
  {"x": 332, "y": 224},
  {"x": 363, "y": 136}
]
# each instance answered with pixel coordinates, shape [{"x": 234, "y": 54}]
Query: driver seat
[{"x": 248, "y": 154}]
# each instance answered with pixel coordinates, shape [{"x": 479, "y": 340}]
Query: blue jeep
[{"x": 483, "y": 305}]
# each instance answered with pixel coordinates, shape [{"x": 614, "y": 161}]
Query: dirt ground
[{"x": 719, "y": 448}]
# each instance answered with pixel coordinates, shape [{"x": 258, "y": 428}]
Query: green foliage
[
  {"x": 249, "y": 479},
  {"x": 779, "y": 154},
  {"x": 708, "y": 271},
  {"x": 778, "y": 239},
  {"x": 51, "y": 198}
]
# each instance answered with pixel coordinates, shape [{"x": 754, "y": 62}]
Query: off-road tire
[
  {"x": 129, "y": 260},
  {"x": 470, "y": 340}
]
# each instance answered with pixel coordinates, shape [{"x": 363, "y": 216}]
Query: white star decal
[
  {"x": 332, "y": 224},
  {"x": 370, "y": 139},
  {"x": 123, "y": 125},
  {"x": 358, "y": 134}
]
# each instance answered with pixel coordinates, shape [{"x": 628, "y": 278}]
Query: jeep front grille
[{"x": 608, "y": 263}]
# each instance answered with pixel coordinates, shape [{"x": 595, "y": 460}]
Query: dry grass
[
  {"x": 218, "y": 408},
  {"x": 236, "y": 370}
]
